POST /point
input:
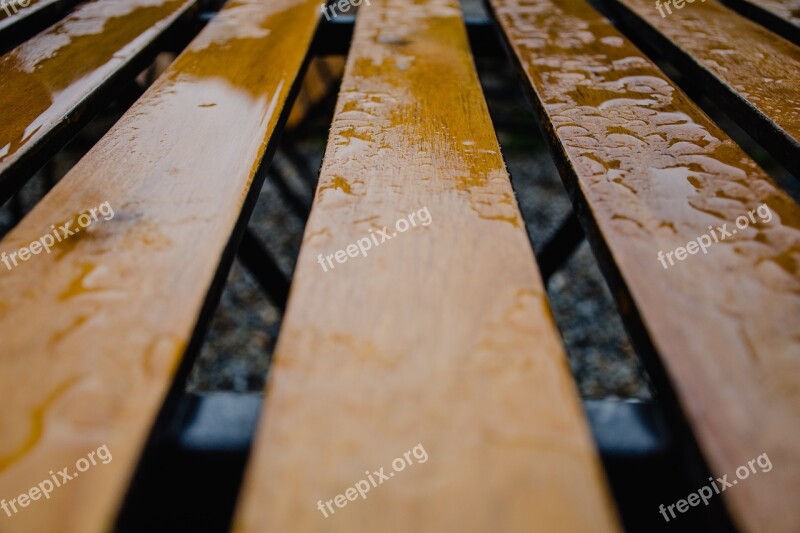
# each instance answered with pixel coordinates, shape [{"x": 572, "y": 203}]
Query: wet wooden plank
[
  {"x": 780, "y": 16},
  {"x": 18, "y": 22},
  {"x": 441, "y": 337},
  {"x": 52, "y": 84},
  {"x": 93, "y": 332},
  {"x": 745, "y": 68},
  {"x": 650, "y": 173},
  {"x": 14, "y": 9}
]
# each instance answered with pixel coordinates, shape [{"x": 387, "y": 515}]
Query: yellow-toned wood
[
  {"x": 92, "y": 333},
  {"x": 759, "y": 67},
  {"x": 779, "y": 16},
  {"x": 48, "y": 81},
  {"x": 12, "y": 10},
  {"x": 654, "y": 173},
  {"x": 441, "y": 336},
  {"x": 788, "y": 10}
]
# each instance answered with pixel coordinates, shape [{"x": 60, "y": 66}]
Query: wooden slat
[
  {"x": 15, "y": 26},
  {"x": 93, "y": 332},
  {"x": 747, "y": 69},
  {"x": 441, "y": 337},
  {"x": 52, "y": 83},
  {"x": 780, "y": 16},
  {"x": 651, "y": 172},
  {"x": 11, "y": 9}
]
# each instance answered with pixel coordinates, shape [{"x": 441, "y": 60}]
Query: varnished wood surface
[
  {"x": 49, "y": 81},
  {"x": 36, "y": 9},
  {"x": 441, "y": 336},
  {"x": 93, "y": 332},
  {"x": 788, "y": 10},
  {"x": 745, "y": 68},
  {"x": 8, "y": 15},
  {"x": 653, "y": 172},
  {"x": 780, "y": 16}
]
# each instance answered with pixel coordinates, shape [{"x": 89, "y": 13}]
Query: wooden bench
[
  {"x": 19, "y": 21},
  {"x": 781, "y": 16},
  {"x": 55, "y": 82},
  {"x": 650, "y": 172},
  {"x": 440, "y": 341},
  {"x": 708, "y": 41}
]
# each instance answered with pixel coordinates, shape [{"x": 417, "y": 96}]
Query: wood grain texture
[
  {"x": 35, "y": 10},
  {"x": 653, "y": 172},
  {"x": 780, "y": 16},
  {"x": 788, "y": 10},
  {"x": 440, "y": 337},
  {"x": 93, "y": 332},
  {"x": 748, "y": 70},
  {"x": 12, "y": 13},
  {"x": 50, "y": 80}
]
